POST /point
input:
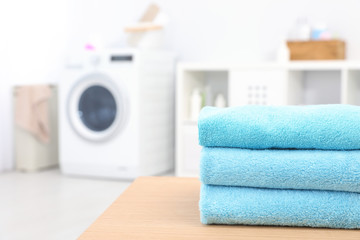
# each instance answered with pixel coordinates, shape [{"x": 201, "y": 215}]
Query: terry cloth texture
[
  {"x": 333, "y": 127},
  {"x": 257, "y": 206},
  {"x": 291, "y": 169}
]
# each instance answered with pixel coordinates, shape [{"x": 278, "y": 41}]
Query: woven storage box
[{"x": 317, "y": 50}]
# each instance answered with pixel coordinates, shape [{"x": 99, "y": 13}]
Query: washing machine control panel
[{"x": 121, "y": 58}]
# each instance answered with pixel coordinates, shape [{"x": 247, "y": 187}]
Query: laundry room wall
[
  {"x": 229, "y": 30},
  {"x": 36, "y": 37}
]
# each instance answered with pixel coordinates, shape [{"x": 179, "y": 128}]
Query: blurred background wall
[
  {"x": 217, "y": 29},
  {"x": 43, "y": 34}
]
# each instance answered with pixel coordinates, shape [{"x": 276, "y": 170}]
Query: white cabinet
[
  {"x": 293, "y": 83},
  {"x": 191, "y": 151},
  {"x": 266, "y": 87},
  {"x": 351, "y": 87}
]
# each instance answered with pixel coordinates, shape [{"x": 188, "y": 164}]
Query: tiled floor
[{"x": 48, "y": 205}]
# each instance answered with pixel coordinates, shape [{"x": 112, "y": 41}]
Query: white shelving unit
[{"x": 293, "y": 83}]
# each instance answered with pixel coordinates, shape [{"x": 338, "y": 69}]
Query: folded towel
[
  {"x": 259, "y": 127},
  {"x": 295, "y": 169},
  {"x": 257, "y": 206}
]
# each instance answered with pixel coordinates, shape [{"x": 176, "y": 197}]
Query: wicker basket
[{"x": 317, "y": 50}]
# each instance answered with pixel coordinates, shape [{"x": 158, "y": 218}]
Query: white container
[
  {"x": 283, "y": 52},
  {"x": 30, "y": 153},
  {"x": 220, "y": 101},
  {"x": 303, "y": 30},
  {"x": 195, "y": 104}
]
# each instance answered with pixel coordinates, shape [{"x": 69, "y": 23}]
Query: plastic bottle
[
  {"x": 220, "y": 101},
  {"x": 320, "y": 32},
  {"x": 303, "y": 30},
  {"x": 195, "y": 105}
]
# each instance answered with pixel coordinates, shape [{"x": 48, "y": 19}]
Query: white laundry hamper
[{"x": 30, "y": 153}]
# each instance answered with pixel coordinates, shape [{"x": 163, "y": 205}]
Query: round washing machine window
[{"x": 97, "y": 107}]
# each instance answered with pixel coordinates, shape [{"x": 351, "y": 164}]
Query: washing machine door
[{"x": 98, "y": 107}]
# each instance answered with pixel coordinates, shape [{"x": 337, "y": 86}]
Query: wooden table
[{"x": 167, "y": 208}]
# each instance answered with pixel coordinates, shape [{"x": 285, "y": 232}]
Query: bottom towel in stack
[{"x": 283, "y": 207}]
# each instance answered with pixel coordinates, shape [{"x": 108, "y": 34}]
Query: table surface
[{"x": 167, "y": 208}]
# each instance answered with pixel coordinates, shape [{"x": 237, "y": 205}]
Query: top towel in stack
[
  {"x": 281, "y": 165},
  {"x": 327, "y": 127}
]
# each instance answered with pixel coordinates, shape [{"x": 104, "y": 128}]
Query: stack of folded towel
[{"x": 281, "y": 165}]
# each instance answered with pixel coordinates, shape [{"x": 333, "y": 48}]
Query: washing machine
[{"x": 116, "y": 114}]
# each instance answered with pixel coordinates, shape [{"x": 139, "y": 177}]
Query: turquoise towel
[
  {"x": 257, "y": 206},
  {"x": 260, "y": 127},
  {"x": 296, "y": 169}
]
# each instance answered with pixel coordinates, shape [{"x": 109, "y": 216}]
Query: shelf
[
  {"x": 291, "y": 83},
  {"x": 314, "y": 87},
  {"x": 352, "y": 87},
  {"x": 210, "y": 84},
  {"x": 291, "y": 65}
]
